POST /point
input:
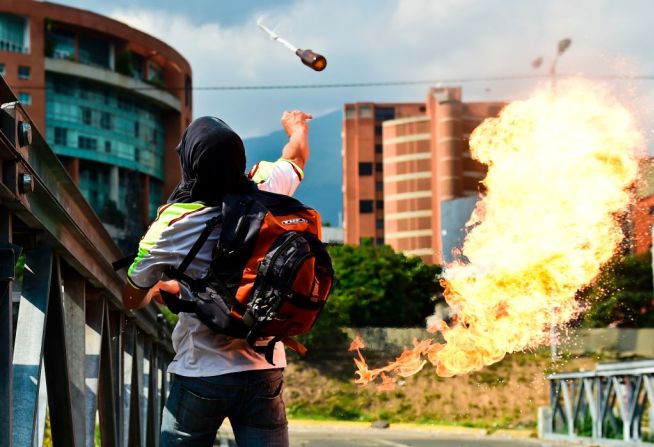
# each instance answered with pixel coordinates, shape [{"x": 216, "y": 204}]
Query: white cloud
[{"x": 397, "y": 39}]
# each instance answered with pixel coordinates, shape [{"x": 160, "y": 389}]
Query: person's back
[{"x": 215, "y": 376}]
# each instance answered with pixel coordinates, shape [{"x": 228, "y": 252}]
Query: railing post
[
  {"x": 593, "y": 403},
  {"x": 6, "y": 336},
  {"x": 28, "y": 353},
  {"x": 95, "y": 316},
  {"x": 154, "y": 400},
  {"x": 649, "y": 396},
  {"x": 58, "y": 367},
  {"x": 74, "y": 328},
  {"x": 128, "y": 338},
  {"x": 137, "y": 421},
  {"x": 108, "y": 395}
]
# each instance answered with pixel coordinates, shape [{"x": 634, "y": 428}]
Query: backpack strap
[
  {"x": 193, "y": 252},
  {"x": 267, "y": 350},
  {"x": 177, "y": 305}
]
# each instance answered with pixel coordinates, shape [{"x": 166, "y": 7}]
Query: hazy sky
[{"x": 379, "y": 40}]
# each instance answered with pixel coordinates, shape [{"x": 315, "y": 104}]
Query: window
[
  {"x": 384, "y": 113},
  {"x": 25, "y": 98},
  {"x": 380, "y": 204},
  {"x": 188, "y": 91},
  {"x": 107, "y": 146},
  {"x": 379, "y": 149},
  {"x": 380, "y": 241},
  {"x": 651, "y": 210},
  {"x": 379, "y": 167},
  {"x": 350, "y": 112},
  {"x": 23, "y": 72},
  {"x": 138, "y": 66},
  {"x": 87, "y": 143},
  {"x": 61, "y": 136},
  {"x": 365, "y": 112},
  {"x": 106, "y": 121},
  {"x": 365, "y": 206},
  {"x": 155, "y": 73},
  {"x": 86, "y": 115},
  {"x": 2, "y": 69},
  {"x": 155, "y": 197},
  {"x": 136, "y": 129},
  {"x": 14, "y": 33},
  {"x": 379, "y": 186},
  {"x": 378, "y": 129},
  {"x": 379, "y": 224},
  {"x": 94, "y": 51},
  {"x": 60, "y": 44},
  {"x": 365, "y": 168}
]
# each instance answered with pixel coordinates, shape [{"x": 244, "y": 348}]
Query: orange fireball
[{"x": 559, "y": 170}]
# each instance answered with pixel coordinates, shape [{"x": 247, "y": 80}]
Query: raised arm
[{"x": 297, "y": 148}]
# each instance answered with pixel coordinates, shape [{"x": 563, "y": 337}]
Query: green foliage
[
  {"x": 622, "y": 294},
  {"x": 20, "y": 268},
  {"x": 375, "y": 286}
]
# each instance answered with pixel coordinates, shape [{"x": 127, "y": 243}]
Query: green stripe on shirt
[{"x": 166, "y": 215}]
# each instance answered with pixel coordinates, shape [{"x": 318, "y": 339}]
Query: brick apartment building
[
  {"x": 363, "y": 193},
  {"x": 401, "y": 161},
  {"x": 641, "y": 214}
]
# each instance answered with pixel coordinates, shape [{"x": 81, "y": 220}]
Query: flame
[{"x": 559, "y": 171}]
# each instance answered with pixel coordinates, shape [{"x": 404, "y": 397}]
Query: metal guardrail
[
  {"x": 66, "y": 344},
  {"x": 613, "y": 402}
]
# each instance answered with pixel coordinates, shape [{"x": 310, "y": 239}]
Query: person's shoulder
[
  {"x": 263, "y": 170},
  {"x": 171, "y": 213}
]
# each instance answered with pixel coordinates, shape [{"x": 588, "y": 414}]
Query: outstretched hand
[{"x": 295, "y": 121}]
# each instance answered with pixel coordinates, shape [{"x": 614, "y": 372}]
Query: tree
[
  {"x": 376, "y": 286},
  {"x": 622, "y": 295}
]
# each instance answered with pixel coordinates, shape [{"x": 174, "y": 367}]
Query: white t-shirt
[{"x": 200, "y": 352}]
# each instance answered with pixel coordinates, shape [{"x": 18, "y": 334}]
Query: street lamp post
[{"x": 562, "y": 46}]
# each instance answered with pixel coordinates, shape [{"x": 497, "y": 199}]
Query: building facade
[
  {"x": 423, "y": 160},
  {"x": 363, "y": 192},
  {"x": 112, "y": 102},
  {"x": 640, "y": 216}
]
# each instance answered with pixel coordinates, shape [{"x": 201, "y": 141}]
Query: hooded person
[
  {"x": 214, "y": 376},
  {"x": 212, "y": 158}
]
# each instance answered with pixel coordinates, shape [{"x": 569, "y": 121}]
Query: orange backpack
[{"x": 270, "y": 275}]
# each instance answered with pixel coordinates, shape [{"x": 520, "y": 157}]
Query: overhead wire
[{"x": 366, "y": 84}]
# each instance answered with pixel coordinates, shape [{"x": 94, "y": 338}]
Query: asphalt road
[{"x": 347, "y": 437}]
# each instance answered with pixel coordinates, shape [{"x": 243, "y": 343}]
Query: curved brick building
[{"x": 111, "y": 100}]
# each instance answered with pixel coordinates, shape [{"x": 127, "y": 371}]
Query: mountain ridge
[{"x": 321, "y": 187}]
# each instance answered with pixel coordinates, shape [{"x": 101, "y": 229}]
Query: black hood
[{"x": 213, "y": 162}]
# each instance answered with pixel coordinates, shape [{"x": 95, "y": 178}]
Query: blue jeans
[{"x": 252, "y": 400}]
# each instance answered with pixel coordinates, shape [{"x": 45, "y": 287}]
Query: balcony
[{"x": 72, "y": 68}]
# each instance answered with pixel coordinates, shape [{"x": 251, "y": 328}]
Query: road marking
[{"x": 391, "y": 443}]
